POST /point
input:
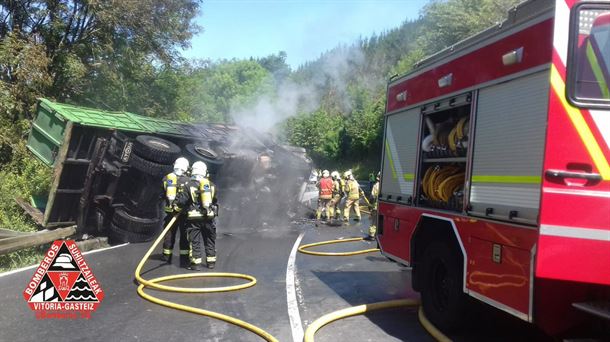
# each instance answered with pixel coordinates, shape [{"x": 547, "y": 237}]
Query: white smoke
[{"x": 332, "y": 71}]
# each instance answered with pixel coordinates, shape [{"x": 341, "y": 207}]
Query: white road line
[
  {"x": 291, "y": 294},
  {"x": 36, "y": 265}
]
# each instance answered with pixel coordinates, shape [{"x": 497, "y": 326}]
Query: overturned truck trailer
[{"x": 108, "y": 167}]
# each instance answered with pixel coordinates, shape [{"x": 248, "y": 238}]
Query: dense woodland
[{"x": 115, "y": 55}]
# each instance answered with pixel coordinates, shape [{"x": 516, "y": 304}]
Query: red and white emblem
[{"x": 63, "y": 286}]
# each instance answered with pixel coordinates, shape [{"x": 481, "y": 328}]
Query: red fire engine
[{"x": 495, "y": 172}]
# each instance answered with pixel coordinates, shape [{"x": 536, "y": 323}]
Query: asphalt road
[{"x": 321, "y": 285}]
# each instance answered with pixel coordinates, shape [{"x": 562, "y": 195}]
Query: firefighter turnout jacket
[
  {"x": 202, "y": 203},
  {"x": 352, "y": 188},
  {"x": 326, "y": 188}
]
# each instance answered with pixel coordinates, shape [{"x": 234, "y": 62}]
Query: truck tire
[
  {"x": 123, "y": 220},
  {"x": 118, "y": 235},
  {"x": 148, "y": 167},
  {"x": 202, "y": 151},
  {"x": 156, "y": 149},
  {"x": 443, "y": 298}
]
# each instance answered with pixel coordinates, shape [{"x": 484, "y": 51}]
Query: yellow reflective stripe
[
  {"x": 507, "y": 179},
  {"x": 195, "y": 213},
  {"x": 167, "y": 251},
  {"x": 389, "y": 156},
  {"x": 211, "y": 259},
  {"x": 197, "y": 260},
  {"x": 581, "y": 126},
  {"x": 408, "y": 176},
  {"x": 185, "y": 252},
  {"x": 597, "y": 71}
]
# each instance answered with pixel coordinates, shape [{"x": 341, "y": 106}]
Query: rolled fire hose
[
  {"x": 362, "y": 309},
  {"x": 440, "y": 182},
  {"x": 155, "y": 283}
]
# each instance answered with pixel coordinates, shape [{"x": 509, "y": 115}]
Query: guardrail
[{"x": 11, "y": 241}]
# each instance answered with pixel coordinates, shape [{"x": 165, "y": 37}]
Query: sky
[{"x": 304, "y": 29}]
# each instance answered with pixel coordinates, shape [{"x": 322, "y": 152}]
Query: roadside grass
[{"x": 23, "y": 176}]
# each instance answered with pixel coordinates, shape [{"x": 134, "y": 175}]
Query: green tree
[{"x": 448, "y": 22}]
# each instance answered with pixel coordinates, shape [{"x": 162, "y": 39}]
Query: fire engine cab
[{"x": 496, "y": 169}]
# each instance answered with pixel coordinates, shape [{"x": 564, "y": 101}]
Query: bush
[{"x": 23, "y": 176}]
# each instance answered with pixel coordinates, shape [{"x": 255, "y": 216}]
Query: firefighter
[
  {"x": 202, "y": 210},
  {"x": 341, "y": 203},
  {"x": 374, "y": 207},
  {"x": 337, "y": 194},
  {"x": 173, "y": 185},
  {"x": 352, "y": 190},
  {"x": 325, "y": 194}
]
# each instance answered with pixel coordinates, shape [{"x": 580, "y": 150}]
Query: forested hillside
[{"x": 116, "y": 55}]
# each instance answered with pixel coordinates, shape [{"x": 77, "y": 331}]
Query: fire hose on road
[
  {"x": 155, "y": 283},
  {"x": 362, "y": 309}
]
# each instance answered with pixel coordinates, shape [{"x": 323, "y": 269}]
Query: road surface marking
[
  {"x": 36, "y": 265},
  {"x": 291, "y": 294}
]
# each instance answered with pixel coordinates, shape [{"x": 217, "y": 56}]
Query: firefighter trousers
[
  {"x": 202, "y": 235},
  {"x": 323, "y": 204},
  {"x": 170, "y": 237},
  {"x": 373, "y": 226},
  {"x": 348, "y": 206},
  {"x": 334, "y": 206}
]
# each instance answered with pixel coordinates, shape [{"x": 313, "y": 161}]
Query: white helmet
[
  {"x": 335, "y": 174},
  {"x": 180, "y": 166},
  {"x": 347, "y": 174},
  {"x": 199, "y": 169},
  {"x": 325, "y": 173}
]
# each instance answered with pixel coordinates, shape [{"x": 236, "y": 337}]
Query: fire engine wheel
[
  {"x": 156, "y": 149},
  {"x": 118, "y": 235},
  {"x": 148, "y": 167},
  {"x": 205, "y": 153},
  {"x": 443, "y": 299},
  {"x": 123, "y": 220}
]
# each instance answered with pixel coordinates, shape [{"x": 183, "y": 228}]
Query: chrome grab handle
[{"x": 574, "y": 174}]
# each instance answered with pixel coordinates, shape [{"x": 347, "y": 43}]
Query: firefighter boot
[
  {"x": 211, "y": 261},
  {"x": 167, "y": 258},
  {"x": 194, "y": 267}
]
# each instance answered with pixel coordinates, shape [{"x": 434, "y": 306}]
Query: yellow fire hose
[
  {"x": 155, "y": 284},
  {"x": 303, "y": 248},
  {"x": 362, "y": 309}
]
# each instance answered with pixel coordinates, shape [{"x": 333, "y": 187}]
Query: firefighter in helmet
[
  {"x": 374, "y": 208},
  {"x": 202, "y": 210},
  {"x": 173, "y": 185},
  {"x": 352, "y": 189},
  {"x": 337, "y": 194},
  {"x": 325, "y": 194}
]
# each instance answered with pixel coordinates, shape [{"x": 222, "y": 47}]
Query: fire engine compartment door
[
  {"x": 400, "y": 154},
  {"x": 509, "y": 149}
]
